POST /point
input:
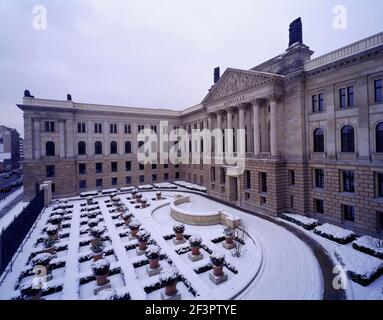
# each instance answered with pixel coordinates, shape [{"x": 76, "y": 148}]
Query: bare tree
[
  {"x": 240, "y": 237},
  {"x": 380, "y": 239}
]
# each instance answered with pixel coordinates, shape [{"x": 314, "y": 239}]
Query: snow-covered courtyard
[{"x": 270, "y": 263}]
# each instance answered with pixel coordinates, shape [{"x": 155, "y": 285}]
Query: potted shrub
[
  {"x": 195, "y": 243},
  {"x": 56, "y": 220},
  {"x": 159, "y": 195},
  {"x": 144, "y": 203},
  {"x": 179, "y": 230},
  {"x": 143, "y": 237},
  {"x": 169, "y": 280},
  {"x": 43, "y": 259},
  {"x": 52, "y": 231},
  {"x": 92, "y": 214},
  {"x": 138, "y": 197},
  {"x": 134, "y": 226},
  {"x": 100, "y": 270},
  {"x": 229, "y": 235},
  {"x": 96, "y": 233},
  {"x": 127, "y": 217},
  {"x": 97, "y": 251},
  {"x": 217, "y": 260},
  {"x": 49, "y": 245},
  {"x": 134, "y": 193},
  {"x": 153, "y": 255}
]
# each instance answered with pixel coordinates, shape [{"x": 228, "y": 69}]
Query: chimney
[
  {"x": 69, "y": 97},
  {"x": 27, "y": 94},
  {"x": 216, "y": 74}
]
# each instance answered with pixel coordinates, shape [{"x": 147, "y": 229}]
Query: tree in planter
[
  {"x": 195, "y": 243},
  {"x": 52, "y": 231},
  {"x": 217, "y": 259},
  {"x": 89, "y": 201},
  {"x": 92, "y": 214},
  {"x": 92, "y": 223},
  {"x": 179, "y": 230},
  {"x": 143, "y": 237},
  {"x": 97, "y": 251},
  {"x": 229, "y": 235},
  {"x": 169, "y": 280},
  {"x": 134, "y": 226},
  {"x": 100, "y": 270},
  {"x": 96, "y": 233},
  {"x": 127, "y": 217},
  {"x": 153, "y": 254},
  {"x": 42, "y": 260},
  {"x": 241, "y": 235},
  {"x": 138, "y": 197},
  {"x": 49, "y": 245}
]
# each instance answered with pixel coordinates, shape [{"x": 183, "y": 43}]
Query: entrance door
[{"x": 233, "y": 189}]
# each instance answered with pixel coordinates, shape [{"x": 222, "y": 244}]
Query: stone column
[
  {"x": 273, "y": 128},
  {"x": 256, "y": 129},
  {"x": 37, "y": 143},
  {"x": 229, "y": 136},
  {"x": 219, "y": 126},
  {"x": 61, "y": 139}
]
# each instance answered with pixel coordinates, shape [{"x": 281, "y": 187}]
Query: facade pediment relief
[{"x": 235, "y": 81}]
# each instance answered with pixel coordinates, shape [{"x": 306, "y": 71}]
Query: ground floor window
[
  {"x": 98, "y": 183},
  {"x": 50, "y": 171},
  {"x": 82, "y": 184},
  {"x": 263, "y": 181},
  {"x": 379, "y": 220},
  {"x": 114, "y": 181},
  {"x": 379, "y": 185},
  {"x": 166, "y": 176},
  {"x": 154, "y": 177},
  {"x": 291, "y": 201},
  {"x": 177, "y": 175},
  {"x": 128, "y": 180},
  {"x": 348, "y": 213},
  {"x": 318, "y": 206},
  {"x": 142, "y": 179},
  {"x": 53, "y": 187}
]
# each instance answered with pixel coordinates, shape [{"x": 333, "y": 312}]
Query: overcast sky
[{"x": 155, "y": 53}]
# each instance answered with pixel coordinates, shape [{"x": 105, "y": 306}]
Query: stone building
[
  {"x": 314, "y": 137},
  {"x": 9, "y": 149}
]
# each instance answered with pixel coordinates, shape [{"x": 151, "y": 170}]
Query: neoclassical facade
[{"x": 313, "y": 137}]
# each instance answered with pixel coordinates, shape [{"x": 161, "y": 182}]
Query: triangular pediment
[{"x": 236, "y": 81}]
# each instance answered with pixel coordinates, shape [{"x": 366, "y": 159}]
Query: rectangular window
[
  {"x": 223, "y": 175},
  {"x": 247, "y": 179},
  {"x": 141, "y": 166},
  {"x": 318, "y": 206},
  {"x": 154, "y": 128},
  {"x": 142, "y": 178},
  {"x": 82, "y": 168},
  {"x": 128, "y": 180},
  {"x": 166, "y": 166},
  {"x": 177, "y": 175},
  {"x": 113, "y": 166},
  {"x": 141, "y": 127},
  {"x": 82, "y": 184},
  {"x": 128, "y": 166},
  {"x": 114, "y": 181},
  {"x": 291, "y": 201},
  {"x": 314, "y": 102},
  {"x": 263, "y": 181},
  {"x": 53, "y": 187},
  {"x": 81, "y": 127},
  {"x": 320, "y": 102},
  {"x": 113, "y": 128},
  {"x": 49, "y": 126},
  {"x": 379, "y": 185},
  {"x": 342, "y": 98},
  {"x": 166, "y": 176},
  {"x": 379, "y": 221},
  {"x": 154, "y": 177},
  {"x": 98, "y": 183},
  {"x": 212, "y": 174},
  {"x": 378, "y": 91},
  {"x": 319, "y": 178},
  {"x": 154, "y": 166},
  {"x": 98, "y": 167},
  {"x": 350, "y": 96},
  {"x": 50, "y": 171},
  {"x": 348, "y": 212},
  {"x": 128, "y": 129},
  {"x": 348, "y": 181},
  {"x": 98, "y": 128},
  {"x": 291, "y": 177}
]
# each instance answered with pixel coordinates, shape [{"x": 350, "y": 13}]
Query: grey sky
[{"x": 155, "y": 53}]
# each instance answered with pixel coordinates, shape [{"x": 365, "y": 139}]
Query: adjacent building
[
  {"x": 9, "y": 149},
  {"x": 314, "y": 137}
]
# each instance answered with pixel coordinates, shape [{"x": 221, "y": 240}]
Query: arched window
[
  {"x": 128, "y": 147},
  {"x": 50, "y": 148},
  {"x": 98, "y": 147},
  {"x": 318, "y": 140},
  {"x": 348, "y": 139},
  {"x": 113, "y": 147},
  {"x": 379, "y": 137},
  {"x": 82, "y": 148}
]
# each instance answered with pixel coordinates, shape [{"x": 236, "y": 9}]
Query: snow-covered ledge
[{"x": 200, "y": 218}]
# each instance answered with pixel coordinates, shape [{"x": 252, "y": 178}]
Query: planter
[
  {"x": 100, "y": 270},
  {"x": 229, "y": 239},
  {"x": 171, "y": 289},
  {"x": 158, "y": 196},
  {"x": 102, "y": 280},
  {"x": 133, "y": 232},
  {"x": 195, "y": 251},
  {"x": 154, "y": 263},
  {"x": 98, "y": 256},
  {"x": 142, "y": 245},
  {"x": 179, "y": 236},
  {"x": 218, "y": 270}
]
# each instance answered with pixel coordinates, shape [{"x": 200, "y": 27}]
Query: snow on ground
[
  {"x": 8, "y": 218},
  {"x": 369, "y": 245},
  {"x": 275, "y": 264},
  {"x": 6, "y": 201}
]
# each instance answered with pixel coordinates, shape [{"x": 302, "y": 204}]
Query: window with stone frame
[
  {"x": 347, "y": 139},
  {"x": 348, "y": 213},
  {"x": 98, "y": 183},
  {"x": 142, "y": 178},
  {"x": 113, "y": 166},
  {"x": 113, "y": 128},
  {"x": 128, "y": 180},
  {"x": 113, "y": 147},
  {"x": 98, "y": 148},
  {"x": 128, "y": 147},
  {"x": 318, "y": 206},
  {"x": 50, "y": 171},
  {"x": 212, "y": 174},
  {"x": 81, "y": 168},
  {"x": 317, "y": 102},
  {"x": 379, "y": 138},
  {"x": 82, "y": 184},
  {"x": 222, "y": 175},
  {"x": 98, "y": 167},
  {"x": 378, "y": 90},
  {"x": 263, "y": 182},
  {"x": 348, "y": 181},
  {"x": 318, "y": 139},
  {"x": 98, "y": 128},
  {"x": 82, "y": 148},
  {"x": 128, "y": 129},
  {"x": 319, "y": 178},
  {"x": 291, "y": 177},
  {"x": 114, "y": 181},
  {"x": 128, "y": 165},
  {"x": 247, "y": 179},
  {"x": 49, "y": 126},
  {"x": 81, "y": 127},
  {"x": 50, "y": 149},
  {"x": 379, "y": 184}
]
